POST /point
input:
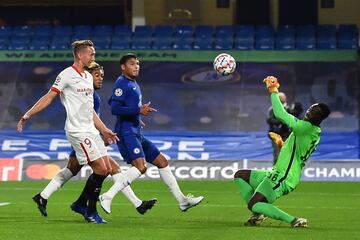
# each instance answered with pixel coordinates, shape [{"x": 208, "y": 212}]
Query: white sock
[
  {"x": 168, "y": 178},
  {"x": 57, "y": 182},
  {"x": 128, "y": 192},
  {"x": 123, "y": 180}
]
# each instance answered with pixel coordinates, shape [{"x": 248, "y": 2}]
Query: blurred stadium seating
[{"x": 182, "y": 37}]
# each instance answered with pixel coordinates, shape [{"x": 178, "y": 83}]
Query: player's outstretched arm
[
  {"x": 280, "y": 113},
  {"x": 108, "y": 135},
  {"x": 40, "y": 105}
]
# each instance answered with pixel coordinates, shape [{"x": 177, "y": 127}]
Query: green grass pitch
[{"x": 332, "y": 209}]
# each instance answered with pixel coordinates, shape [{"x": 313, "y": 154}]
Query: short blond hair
[{"x": 81, "y": 44}]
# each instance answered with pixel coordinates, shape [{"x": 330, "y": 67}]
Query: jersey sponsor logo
[
  {"x": 118, "y": 92},
  {"x": 136, "y": 150},
  {"x": 85, "y": 90}
]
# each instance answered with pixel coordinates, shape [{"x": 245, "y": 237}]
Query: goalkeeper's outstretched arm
[{"x": 280, "y": 113}]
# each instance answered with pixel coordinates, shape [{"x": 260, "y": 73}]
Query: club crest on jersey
[
  {"x": 136, "y": 150},
  {"x": 118, "y": 92}
]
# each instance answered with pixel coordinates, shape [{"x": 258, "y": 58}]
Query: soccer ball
[{"x": 224, "y": 64}]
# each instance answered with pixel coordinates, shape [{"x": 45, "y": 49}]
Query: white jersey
[{"x": 76, "y": 94}]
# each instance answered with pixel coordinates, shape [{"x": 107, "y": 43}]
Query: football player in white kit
[
  {"x": 73, "y": 167},
  {"x": 75, "y": 87}
]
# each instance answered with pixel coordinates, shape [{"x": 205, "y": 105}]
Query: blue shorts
[
  {"x": 132, "y": 147},
  {"x": 73, "y": 153}
]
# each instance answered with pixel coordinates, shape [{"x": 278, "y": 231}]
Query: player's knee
[
  {"x": 142, "y": 169},
  {"x": 160, "y": 161},
  {"x": 140, "y": 165},
  {"x": 242, "y": 174},
  {"x": 115, "y": 167},
  {"x": 74, "y": 171},
  {"x": 237, "y": 174},
  {"x": 115, "y": 170},
  {"x": 104, "y": 171},
  {"x": 73, "y": 166},
  {"x": 110, "y": 170}
]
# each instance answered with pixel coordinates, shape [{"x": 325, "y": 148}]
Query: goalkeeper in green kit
[{"x": 260, "y": 188}]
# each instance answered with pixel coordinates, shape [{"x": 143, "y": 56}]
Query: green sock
[
  {"x": 272, "y": 211},
  {"x": 246, "y": 191}
]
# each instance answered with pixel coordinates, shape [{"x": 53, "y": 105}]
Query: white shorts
[{"x": 88, "y": 146}]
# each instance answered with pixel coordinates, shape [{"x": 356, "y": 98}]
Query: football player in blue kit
[
  {"x": 126, "y": 105},
  {"x": 73, "y": 167}
]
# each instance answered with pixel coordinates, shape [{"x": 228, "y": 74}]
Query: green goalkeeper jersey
[{"x": 299, "y": 146}]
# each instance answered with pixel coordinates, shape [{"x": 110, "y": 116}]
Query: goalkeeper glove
[
  {"x": 277, "y": 139},
  {"x": 272, "y": 84}
]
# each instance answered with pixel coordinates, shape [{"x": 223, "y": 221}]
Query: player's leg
[
  {"x": 127, "y": 191},
  {"x": 57, "y": 182},
  {"x": 247, "y": 181},
  {"x": 155, "y": 157},
  {"x": 122, "y": 181},
  {"x": 265, "y": 194},
  {"x": 132, "y": 152},
  {"x": 185, "y": 202},
  {"x": 90, "y": 149},
  {"x": 141, "y": 206},
  {"x": 62, "y": 177},
  {"x": 260, "y": 205},
  {"x": 92, "y": 190},
  {"x": 99, "y": 179}
]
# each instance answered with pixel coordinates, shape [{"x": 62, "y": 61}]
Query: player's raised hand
[
  {"x": 277, "y": 139},
  {"x": 272, "y": 84},
  {"x": 21, "y": 123},
  {"x": 109, "y": 136},
  {"x": 145, "y": 109}
]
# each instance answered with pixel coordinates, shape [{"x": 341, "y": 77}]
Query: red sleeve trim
[{"x": 55, "y": 90}]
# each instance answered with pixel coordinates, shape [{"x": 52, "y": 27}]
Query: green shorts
[{"x": 269, "y": 184}]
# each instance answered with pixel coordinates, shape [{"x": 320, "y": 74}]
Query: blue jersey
[
  {"x": 125, "y": 103},
  {"x": 97, "y": 101}
]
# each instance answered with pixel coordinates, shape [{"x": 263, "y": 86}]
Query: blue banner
[
  {"x": 40, "y": 145},
  {"x": 190, "y": 96}
]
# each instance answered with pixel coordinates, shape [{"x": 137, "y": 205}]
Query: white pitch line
[
  {"x": 4, "y": 203},
  {"x": 214, "y": 205}
]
